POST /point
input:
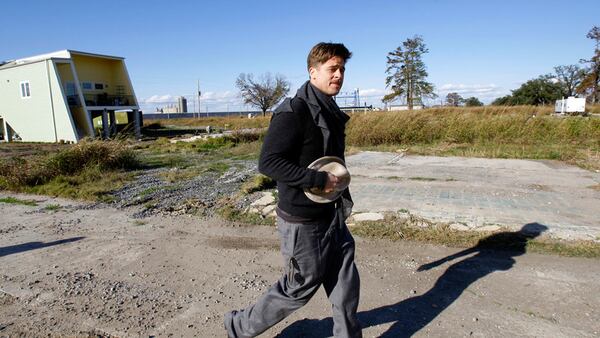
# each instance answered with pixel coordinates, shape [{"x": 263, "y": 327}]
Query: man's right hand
[{"x": 332, "y": 183}]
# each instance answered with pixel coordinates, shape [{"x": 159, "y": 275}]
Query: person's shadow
[
  {"x": 14, "y": 249},
  {"x": 493, "y": 253}
]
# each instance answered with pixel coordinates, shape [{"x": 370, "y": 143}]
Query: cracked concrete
[{"x": 479, "y": 192}]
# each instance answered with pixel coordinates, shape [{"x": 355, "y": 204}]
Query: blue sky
[{"x": 477, "y": 48}]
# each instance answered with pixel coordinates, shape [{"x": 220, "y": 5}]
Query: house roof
[{"x": 61, "y": 54}]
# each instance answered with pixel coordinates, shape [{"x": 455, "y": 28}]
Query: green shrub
[
  {"x": 258, "y": 183},
  {"x": 248, "y": 137},
  {"x": 213, "y": 143}
]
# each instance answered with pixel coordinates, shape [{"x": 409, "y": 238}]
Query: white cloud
[
  {"x": 373, "y": 92},
  {"x": 226, "y": 96},
  {"x": 485, "y": 92},
  {"x": 210, "y": 100},
  {"x": 220, "y": 96},
  {"x": 159, "y": 99},
  {"x": 464, "y": 88},
  {"x": 482, "y": 91}
]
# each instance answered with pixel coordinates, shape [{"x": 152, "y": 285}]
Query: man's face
[{"x": 328, "y": 77}]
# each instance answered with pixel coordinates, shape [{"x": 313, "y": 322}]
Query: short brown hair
[{"x": 324, "y": 51}]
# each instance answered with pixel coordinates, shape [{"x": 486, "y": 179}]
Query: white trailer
[{"x": 570, "y": 105}]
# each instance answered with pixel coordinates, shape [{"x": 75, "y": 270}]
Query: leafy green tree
[
  {"x": 539, "y": 91},
  {"x": 264, "y": 93},
  {"x": 569, "y": 77},
  {"x": 503, "y": 101},
  {"x": 590, "y": 84},
  {"x": 473, "y": 102},
  {"x": 454, "y": 100},
  {"x": 542, "y": 90},
  {"x": 407, "y": 73}
]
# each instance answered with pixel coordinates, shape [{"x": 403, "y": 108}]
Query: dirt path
[{"x": 88, "y": 271}]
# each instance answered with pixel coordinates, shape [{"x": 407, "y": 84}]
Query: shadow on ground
[
  {"x": 493, "y": 253},
  {"x": 14, "y": 249}
]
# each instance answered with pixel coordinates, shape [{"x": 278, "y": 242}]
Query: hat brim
[{"x": 335, "y": 166}]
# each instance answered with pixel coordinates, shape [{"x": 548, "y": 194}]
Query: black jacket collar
[{"x": 312, "y": 96}]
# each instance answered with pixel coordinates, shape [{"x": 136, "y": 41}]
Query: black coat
[{"x": 302, "y": 129}]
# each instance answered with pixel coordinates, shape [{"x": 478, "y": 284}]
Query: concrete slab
[
  {"x": 479, "y": 192},
  {"x": 265, "y": 200}
]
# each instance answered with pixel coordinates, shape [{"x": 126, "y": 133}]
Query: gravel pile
[{"x": 199, "y": 195}]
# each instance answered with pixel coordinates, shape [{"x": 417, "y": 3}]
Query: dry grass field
[{"x": 524, "y": 132}]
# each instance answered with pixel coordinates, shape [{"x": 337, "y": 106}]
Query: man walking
[{"x": 316, "y": 245}]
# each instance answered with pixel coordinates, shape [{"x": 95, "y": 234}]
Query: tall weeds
[
  {"x": 526, "y": 125},
  {"x": 86, "y": 155},
  {"x": 227, "y": 122}
]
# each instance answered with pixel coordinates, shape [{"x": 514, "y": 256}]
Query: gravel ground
[
  {"x": 200, "y": 195},
  {"x": 100, "y": 271}
]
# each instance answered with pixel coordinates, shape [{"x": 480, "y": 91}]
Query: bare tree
[
  {"x": 407, "y": 74},
  {"x": 569, "y": 78},
  {"x": 264, "y": 93}
]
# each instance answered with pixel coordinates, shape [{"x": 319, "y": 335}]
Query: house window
[
  {"x": 25, "y": 91},
  {"x": 71, "y": 89},
  {"x": 98, "y": 86},
  {"x": 86, "y": 85}
]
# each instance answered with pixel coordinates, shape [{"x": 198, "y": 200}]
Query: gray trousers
[{"x": 314, "y": 254}]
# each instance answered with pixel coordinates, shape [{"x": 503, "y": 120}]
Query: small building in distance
[
  {"x": 182, "y": 104},
  {"x": 65, "y": 96},
  {"x": 179, "y": 107}
]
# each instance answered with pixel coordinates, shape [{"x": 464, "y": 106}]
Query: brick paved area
[{"x": 480, "y": 192}]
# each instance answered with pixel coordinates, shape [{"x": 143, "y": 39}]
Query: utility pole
[{"x": 199, "y": 93}]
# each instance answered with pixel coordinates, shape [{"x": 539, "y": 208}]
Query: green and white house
[{"x": 65, "y": 96}]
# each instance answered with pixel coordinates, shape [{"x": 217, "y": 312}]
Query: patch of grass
[
  {"x": 396, "y": 229},
  {"x": 14, "y": 200},
  {"x": 216, "y": 167},
  {"x": 92, "y": 184},
  {"x": 146, "y": 192},
  {"x": 138, "y": 222},
  {"x": 150, "y": 205},
  {"x": 187, "y": 154},
  {"x": 232, "y": 214},
  {"x": 106, "y": 198},
  {"x": 213, "y": 143},
  {"x": 169, "y": 160},
  {"x": 244, "y": 151},
  {"x": 257, "y": 183},
  {"x": 231, "y": 123},
  {"x": 178, "y": 175},
  {"x": 53, "y": 207},
  {"x": 85, "y": 170},
  {"x": 419, "y": 178},
  {"x": 580, "y": 248}
]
